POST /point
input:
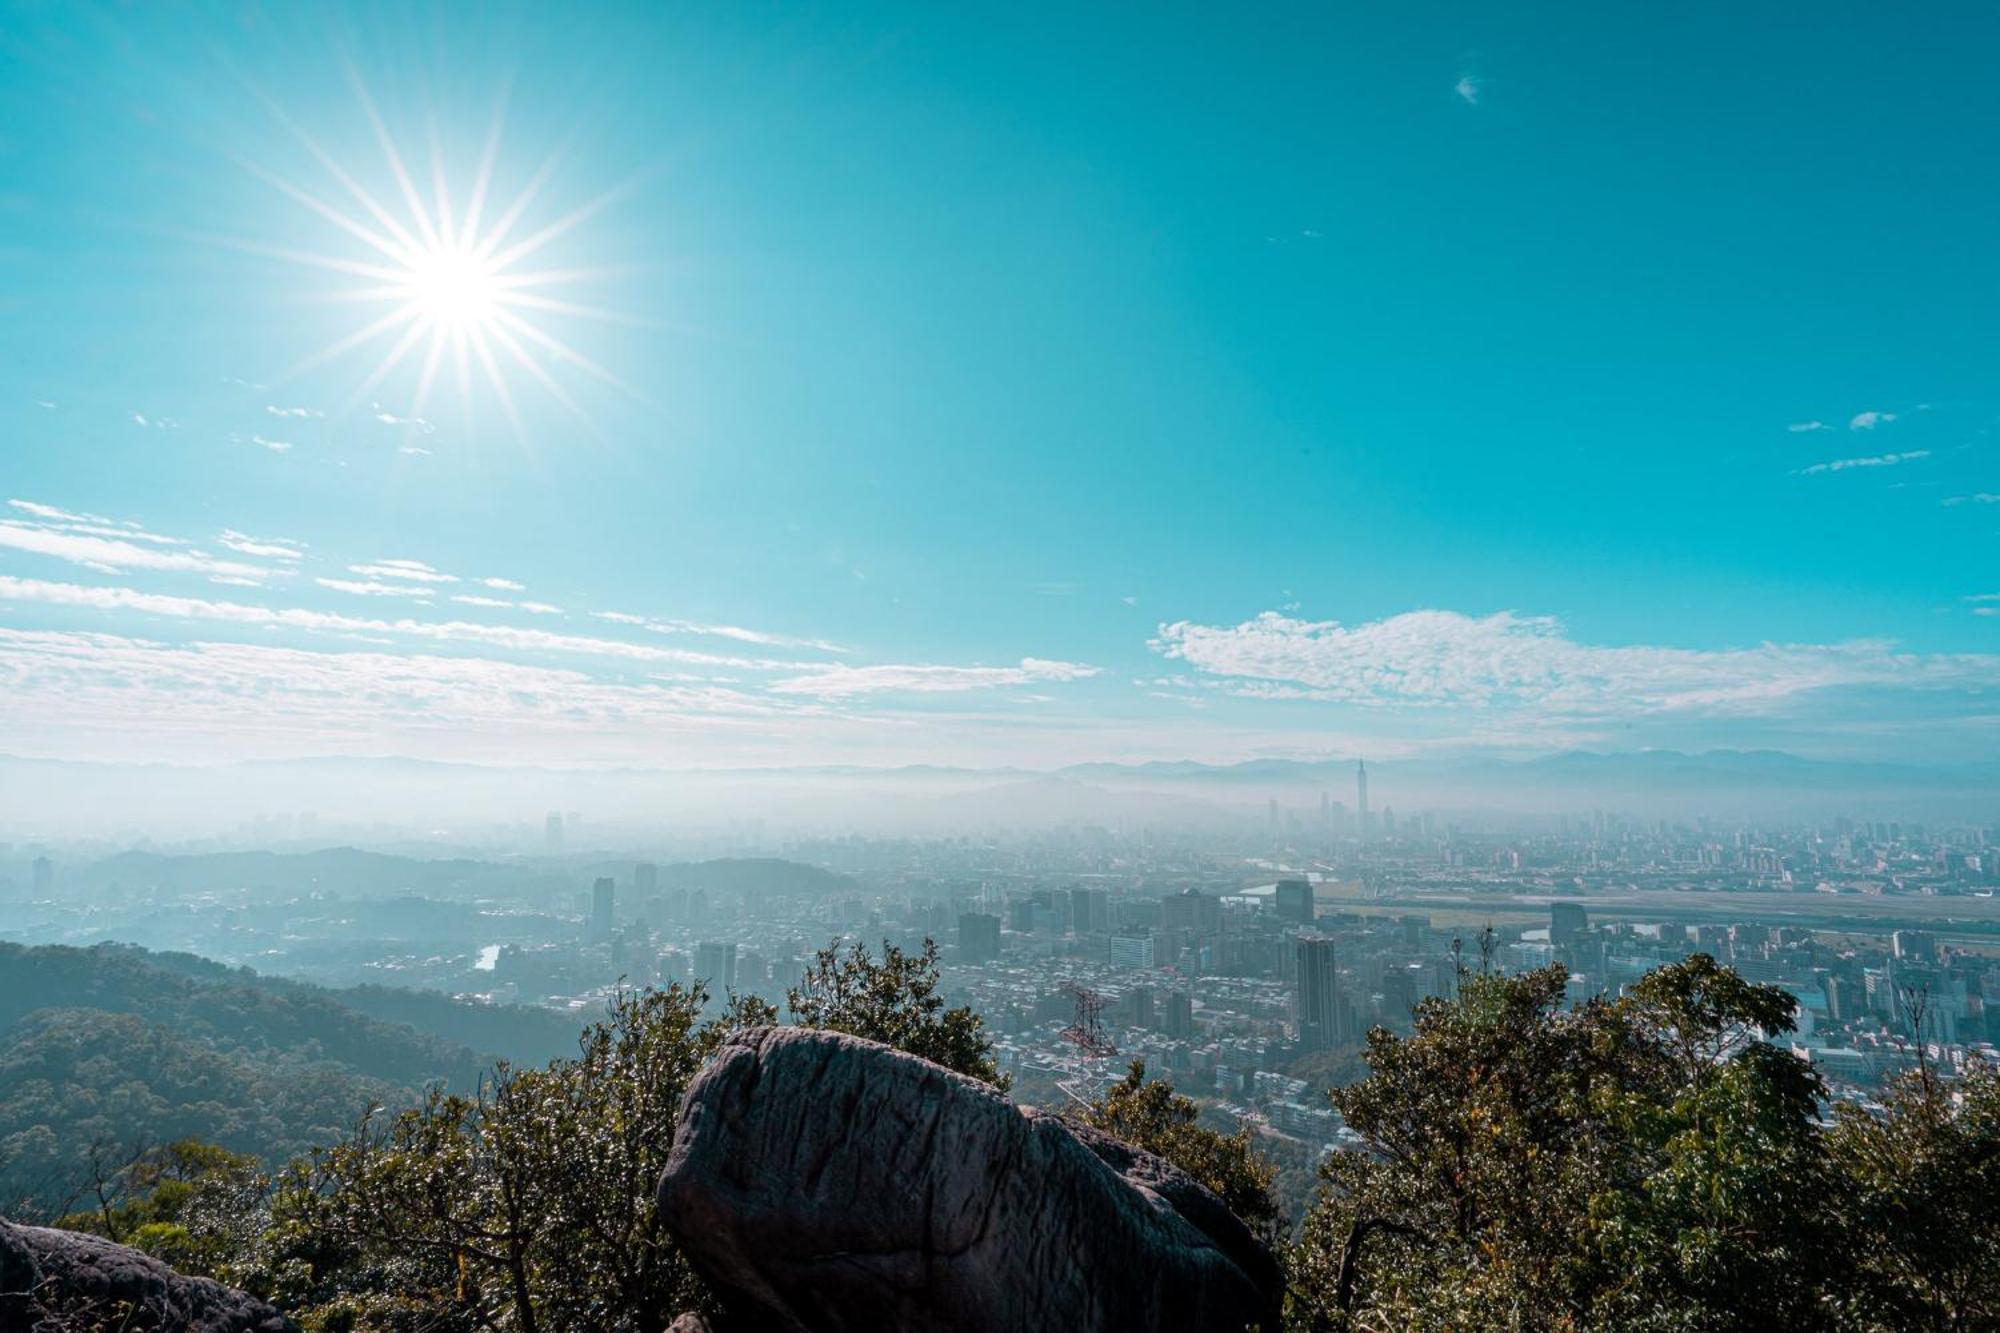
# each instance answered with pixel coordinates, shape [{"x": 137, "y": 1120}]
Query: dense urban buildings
[{"x": 1246, "y": 966}]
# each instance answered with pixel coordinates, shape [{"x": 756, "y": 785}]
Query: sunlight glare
[
  {"x": 453, "y": 283},
  {"x": 454, "y": 289}
]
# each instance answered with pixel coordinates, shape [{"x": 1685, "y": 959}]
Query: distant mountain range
[{"x": 412, "y": 803}]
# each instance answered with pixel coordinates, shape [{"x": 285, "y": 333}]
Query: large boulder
[
  {"x": 69, "y": 1282},
  {"x": 826, "y": 1184}
]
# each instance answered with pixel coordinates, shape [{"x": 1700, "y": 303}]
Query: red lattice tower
[{"x": 1086, "y": 1030}]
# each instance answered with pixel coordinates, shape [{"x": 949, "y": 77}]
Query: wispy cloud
[
  {"x": 503, "y": 585},
  {"x": 1801, "y": 427},
  {"x": 277, "y": 411},
  {"x": 844, "y": 681},
  {"x": 413, "y": 571},
  {"x": 540, "y": 608},
  {"x": 373, "y": 589},
  {"x": 1433, "y": 659},
  {"x": 1976, "y": 498},
  {"x": 1877, "y": 460},
  {"x": 1468, "y": 89},
  {"x": 415, "y": 423},
  {"x": 494, "y": 603},
  {"x": 275, "y": 446},
  {"x": 1870, "y": 420},
  {"x": 329, "y": 622},
  {"x": 270, "y": 548},
  {"x": 263, "y": 698},
  {"x": 109, "y": 555},
  {"x": 54, "y": 515},
  {"x": 736, "y": 632}
]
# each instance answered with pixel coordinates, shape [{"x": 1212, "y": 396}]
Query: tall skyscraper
[
  {"x": 1293, "y": 899},
  {"x": 1361, "y": 795},
  {"x": 602, "y": 907},
  {"x": 715, "y": 967},
  {"x": 1179, "y": 1020},
  {"x": 1567, "y": 920},
  {"x": 1089, "y": 911},
  {"x": 978, "y": 938},
  {"x": 1318, "y": 1000},
  {"x": 645, "y": 880}
]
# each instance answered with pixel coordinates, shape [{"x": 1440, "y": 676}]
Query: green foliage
[
  {"x": 1155, "y": 1117},
  {"x": 73, "y": 1079},
  {"x": 190, "y": 1204},
  {"x": 527, "y": 1206},
  {"x": 1645, "y": 1164},
  {"x": 1926, "y": 1180},
  {"x": 114, "y": 1042},
  {"x": 894, "y": 1001}
]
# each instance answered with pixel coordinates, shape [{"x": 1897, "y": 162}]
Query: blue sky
[{"x": 1009, "y": 385}]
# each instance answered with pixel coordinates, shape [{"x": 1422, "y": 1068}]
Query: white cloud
[
  {"x": 1468, "y": 88},
  {"x": 494, "y": 602},
  {"x": 1976, "y": 498},
  {"x": 1879, "y": 460},
  {"x": 391, "y": 419},
  {"x": 55, "y": 515},
  {"x": 1870, "y": 420},
  {"x": 504, "y": 585},
  {"x": 736, "y": 632},
  {"x": 1434, "y": 659},
  {"x": 373, "y": 589},
  {"x": 843, "y": 681},
  {"x": 271, "y": 548},
  {"x": 113, "y": 554},
  {"x": 415, "y": 571},
  {"x": 1129, "y": 601},
  {"x": 541, "y": 608},
  {"x": 277, "y": 411},
  {"x": 260, "y": 696},
  {"x": 1800, "y": 427},
  {"x": 275, "y": 446},
  {"x": 328, "y": 622}
]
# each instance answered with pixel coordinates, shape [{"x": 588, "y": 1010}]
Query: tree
[
  {"x": 1651, "y": 1163},
  {"x": 896, "y": 1002},
  {"x": 1155, "y": 1117},
  {"x": 1924, "y": 1174},
  {"x": 529, "y": 1206},
  {"x": 191, "y": 1204}
]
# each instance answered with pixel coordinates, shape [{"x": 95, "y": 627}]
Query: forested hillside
[{"x": 112, "y": 1048}]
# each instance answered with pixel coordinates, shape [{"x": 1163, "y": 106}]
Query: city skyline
[{"x": 908, "y": 388}]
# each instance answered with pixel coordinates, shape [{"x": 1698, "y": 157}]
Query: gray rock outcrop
[
  {"x": 58, "y": 1281},
  {"x": 826, "y": 1184}
]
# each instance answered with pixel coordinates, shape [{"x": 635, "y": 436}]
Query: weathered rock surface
[
  {"x": 59, "y": 1281},
  {"x": 825, "y": 1184}
]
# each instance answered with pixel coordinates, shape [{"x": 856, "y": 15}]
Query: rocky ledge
[
  {"x": 826, "y": 1184},
  {"x": 68, "y": 1282}
]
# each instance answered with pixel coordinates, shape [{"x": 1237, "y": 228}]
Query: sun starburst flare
[{"x": 457, "y": 287}]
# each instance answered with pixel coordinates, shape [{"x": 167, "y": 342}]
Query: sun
[
  {"x": 452, "y": 272},
  {"x": 454, "y": 288}
]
